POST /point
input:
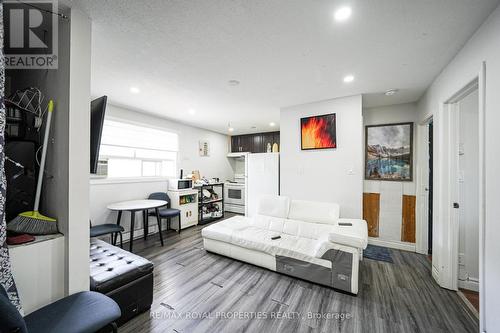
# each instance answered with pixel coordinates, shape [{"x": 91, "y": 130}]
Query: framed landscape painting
[
  {"x": 389, "y": 152},
  {"x": 318, "y": 132}
]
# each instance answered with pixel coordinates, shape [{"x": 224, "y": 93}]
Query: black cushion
[
  {"x": 104, "y": 229},
  {"x": 82, "y": 312},
  {"x": 10, "y": 319},
  {"x": 168, "y": 212},
  {"x": 112, "y": 267}
]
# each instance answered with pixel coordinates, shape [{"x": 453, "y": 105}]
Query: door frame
[
  {"x": 422, "y": 226},
  {"x": 446, "y": 193}
]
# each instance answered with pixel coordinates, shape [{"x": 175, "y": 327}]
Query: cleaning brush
[{"x": 33, "y": 222}]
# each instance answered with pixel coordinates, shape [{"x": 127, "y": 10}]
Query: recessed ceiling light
[
  {"x": 348, "y": 78},
  {"x": 272, "y": 124},
  {"x": 135, "y": 90},
  {"x": 391, "y": 92},
  {"x": 192, "y": 111},
  {"x": 233, "y": 82},
  {"x": 230, "y": 129},
  {"x": 342, "y": 14}
]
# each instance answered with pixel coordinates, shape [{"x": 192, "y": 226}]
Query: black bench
[{"x": 123, "y": 276}]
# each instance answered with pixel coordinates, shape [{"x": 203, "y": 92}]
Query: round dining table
[{"x": 134, "y": 206}]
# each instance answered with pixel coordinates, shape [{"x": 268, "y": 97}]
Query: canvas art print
[
  {"x": 318, "y": 132},
  {"x": 389, "y": 152}
]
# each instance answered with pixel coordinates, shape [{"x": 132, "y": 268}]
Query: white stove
[{"x": 234, "y": 197}]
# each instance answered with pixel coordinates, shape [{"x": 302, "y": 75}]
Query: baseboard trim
[
  {"x": 392, "y": 244},
  {"x": 435, "y": 274},
  {"x": 468, "y": 304},
  {"x": 470, "y": 285}
]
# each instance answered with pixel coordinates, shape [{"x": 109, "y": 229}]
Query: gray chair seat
[
  {"x": 104, "y": 229},
  {"x": 83, "y": 312},
  {"x": 168, "y": 212}
]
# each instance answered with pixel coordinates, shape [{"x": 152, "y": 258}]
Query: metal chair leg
[
  {"x": 159, "y": 225},
  {"x": 121, "y": 239},
  {"x": 118, "y": 220},
  {"x": 114, "y": 327},
  {"x": 145, "y": 224}
]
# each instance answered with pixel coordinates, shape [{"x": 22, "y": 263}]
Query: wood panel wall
[
  {"x": 409, "y": 226},
  {"x": 371, "y": 212}
]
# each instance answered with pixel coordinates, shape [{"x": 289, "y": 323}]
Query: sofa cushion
[
  {"x": 273, "y": 205},
  {"x": 223, "y": 230},
  {"x": 314, "y": 212},
  {"x": 305, "y": 229},
  {"x": 258, "y": 239},
  {"x": 244, "y": 232}
]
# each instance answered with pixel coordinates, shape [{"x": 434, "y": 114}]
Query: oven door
[{"x": 234, "y": 195}]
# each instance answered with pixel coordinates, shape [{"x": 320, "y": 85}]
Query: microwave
[{"x": 180, "y": 184}]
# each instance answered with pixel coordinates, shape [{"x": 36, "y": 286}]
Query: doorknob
[{"x": 456, "y": 205}]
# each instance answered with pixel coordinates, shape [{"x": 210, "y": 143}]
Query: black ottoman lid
[{"x": 112, "y": 267}]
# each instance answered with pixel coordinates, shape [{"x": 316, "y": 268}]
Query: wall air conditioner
[{"x": 102, "y": 168}]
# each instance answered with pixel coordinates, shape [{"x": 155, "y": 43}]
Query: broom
[{"x": 33, "y": 222}]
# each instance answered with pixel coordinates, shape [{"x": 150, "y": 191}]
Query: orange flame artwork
[{"x": 318, "y": 132}]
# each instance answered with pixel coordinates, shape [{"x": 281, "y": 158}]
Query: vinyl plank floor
[{"x": 197, "y": 291}]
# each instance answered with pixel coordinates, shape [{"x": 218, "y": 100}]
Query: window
[{"x": 138, "y": 151}]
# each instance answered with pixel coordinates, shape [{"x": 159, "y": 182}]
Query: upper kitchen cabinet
[
  {"x": 241, "y": 143},
  {"x": 253, "y": 143}
]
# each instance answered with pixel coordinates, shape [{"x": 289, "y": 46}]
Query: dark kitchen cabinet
[
  {"x": 267, "y": 138},
  {"x": 276, "y": 137},
  {"x": 257, "y": 145},
  {"x": 246, "y": 142},
  {"x": 235, "y": 144},
  {"x": 253, "y": 143}
]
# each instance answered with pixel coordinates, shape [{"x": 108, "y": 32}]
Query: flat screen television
[{"x": 97, "y": 111}]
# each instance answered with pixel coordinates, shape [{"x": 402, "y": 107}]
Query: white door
[
  {"x": 422, "y": 244},
  {"x": 468, "y": 188},
  {"x": 262, "y": 178}
]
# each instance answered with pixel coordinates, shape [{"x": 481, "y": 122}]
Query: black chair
[
  {"x": 83, "y": 312},
  {"x": 166, "y": 212},
  {"x": 105, "y": 229}
]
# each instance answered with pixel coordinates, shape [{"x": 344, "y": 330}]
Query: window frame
[{"x": 133, "y": 179}]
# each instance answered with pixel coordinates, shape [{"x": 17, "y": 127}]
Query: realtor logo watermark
[{"x": 30, "y": 34}]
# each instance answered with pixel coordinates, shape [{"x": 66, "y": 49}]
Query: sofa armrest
[{"x": 350, "y": 232}]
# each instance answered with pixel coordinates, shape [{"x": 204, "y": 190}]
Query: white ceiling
[{"x": 181, "y": 54}]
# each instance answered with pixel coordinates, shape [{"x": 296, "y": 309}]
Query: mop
[{"x": 33, "y": 222}]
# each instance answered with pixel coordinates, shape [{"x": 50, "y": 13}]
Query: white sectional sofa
[{"x": 315, "y": 244}]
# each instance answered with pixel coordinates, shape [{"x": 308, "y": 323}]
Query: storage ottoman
[{"x": 125, "y": 277}]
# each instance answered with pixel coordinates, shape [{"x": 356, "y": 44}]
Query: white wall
[
  {"x": 65, "y": 187},
  {"x": 102, "y": 192},
  {"x": 333, "y": 175},
  {"x": 390, "y": 222},
  {"x": 78, "y": 143},
  {"x": 469, "y": 192},
  {"x": 483, "y": 46}
]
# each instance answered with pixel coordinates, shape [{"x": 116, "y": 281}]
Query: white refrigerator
[{"x": 263, "y": 177}]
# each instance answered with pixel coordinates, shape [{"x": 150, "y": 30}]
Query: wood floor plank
[{"x": 189, "y": 282}]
